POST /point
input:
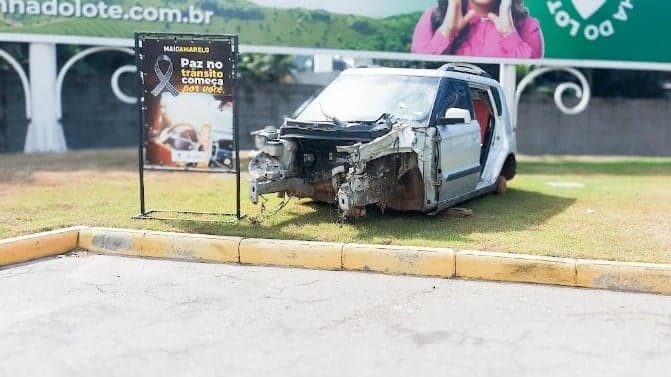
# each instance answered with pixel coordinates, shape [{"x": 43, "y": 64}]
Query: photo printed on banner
[{"x": 188, "y": 86}]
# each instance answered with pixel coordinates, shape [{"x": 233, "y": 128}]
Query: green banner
[
  {"x": 606, "y": 32},
  {"x": 613, "y": 30}
]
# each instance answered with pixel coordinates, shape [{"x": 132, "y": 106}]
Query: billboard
[
  {"x": 188, "y": 85},
  {"x": 579, "y": 32}
]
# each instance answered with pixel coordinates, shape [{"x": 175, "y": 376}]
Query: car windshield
[{"x": 352, "y": 98}]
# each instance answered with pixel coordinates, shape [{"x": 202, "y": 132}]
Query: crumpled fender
[{"x": 399, "y": 140}]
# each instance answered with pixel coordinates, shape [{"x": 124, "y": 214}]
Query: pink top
[{"x": 483, "y": 39}]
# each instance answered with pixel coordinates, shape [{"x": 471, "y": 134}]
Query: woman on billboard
[{"x": 482, "y": 28}]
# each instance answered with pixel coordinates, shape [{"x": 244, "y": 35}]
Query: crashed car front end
[
  {"x": 353, "y": 163},
  {"x": 387, "y": 171}
]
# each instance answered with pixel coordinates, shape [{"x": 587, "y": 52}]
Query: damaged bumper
[
  {"x": 296, "y": 186},
  {"x": 386, "y": 172}
]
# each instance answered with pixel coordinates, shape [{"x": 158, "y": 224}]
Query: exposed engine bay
[{"x": 335, "y": 167}]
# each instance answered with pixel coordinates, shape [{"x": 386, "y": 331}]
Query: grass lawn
[{"x": 618, "y": 209}]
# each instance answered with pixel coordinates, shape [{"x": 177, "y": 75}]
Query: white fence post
[{"x": 508, "y": 79}]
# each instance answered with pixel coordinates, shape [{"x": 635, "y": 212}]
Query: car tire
[
  {"x": 501, "y": 186},
  {"x": 509, "y": 170}
]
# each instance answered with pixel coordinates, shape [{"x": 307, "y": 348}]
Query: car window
[
  {"x": 352, "y": 98},
  {"x": 497, "y": 101},
  {"x": 458, "y": 95}
]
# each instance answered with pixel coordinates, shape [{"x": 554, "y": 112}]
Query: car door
[{"x": 459, "y": 143}]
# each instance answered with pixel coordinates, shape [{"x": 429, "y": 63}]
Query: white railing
[
  {"x": 25, "y": 82},
  {"x": 514, "y": 91},
  {"x": 583, "y": 92},
  {"x": 81, "y": 55},
  {"x": 116, "y": 88}
]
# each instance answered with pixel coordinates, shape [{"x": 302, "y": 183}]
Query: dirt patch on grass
[{"x": 22, "y": 168}]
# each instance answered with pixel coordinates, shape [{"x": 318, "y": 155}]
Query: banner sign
[
  {"x": 596, "y": 32},
  {"x": 188, "y": 84}
]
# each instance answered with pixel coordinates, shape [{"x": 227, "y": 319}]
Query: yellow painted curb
[
  {"x": 111, "y": 241},
  {"x": 419, "y": 261},
  {"x": 182, "y": 246},
  {"x": 631, "y": 277},
  {"x": 515, "y": 268},
  {"x": 35, "y": 246},
  {"x": 316, "y": 255},
  {"x": 191, "y": 247},
  {"x": 400, "y": 260}
]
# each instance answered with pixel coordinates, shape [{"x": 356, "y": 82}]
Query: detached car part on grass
[{"x": 403, "y": 139}]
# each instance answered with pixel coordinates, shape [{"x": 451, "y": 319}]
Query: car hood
[{"x": 347, "y": 132}]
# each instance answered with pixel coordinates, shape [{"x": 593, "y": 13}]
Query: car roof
[{"x": 421, "y": 73}]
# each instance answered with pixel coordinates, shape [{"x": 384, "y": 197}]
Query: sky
[{"x": 370, "y": 8}]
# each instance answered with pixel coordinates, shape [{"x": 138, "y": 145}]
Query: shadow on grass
[
  {"x": 517, "y": 211},
  {"x": 632, "y": 167}
]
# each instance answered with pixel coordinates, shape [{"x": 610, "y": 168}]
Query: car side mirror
[{"x": 455, "y": 116}]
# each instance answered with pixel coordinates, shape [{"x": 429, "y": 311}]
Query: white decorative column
[
  {"x": 45, "y": 133},
  {"x": 323, "y": 63}
]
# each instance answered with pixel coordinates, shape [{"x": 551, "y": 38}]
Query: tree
[{"x": 263, "y": 67}]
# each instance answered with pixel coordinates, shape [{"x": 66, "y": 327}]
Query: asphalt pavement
[{"x": 91, "y": 315}]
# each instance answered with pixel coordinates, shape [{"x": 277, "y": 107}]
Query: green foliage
[
  {"x": 628, "y": 84},
  {"x": 397, "y": 32},
  {"x": 362, "y": 26},
  {"x": 242, "y": 11},
  {"x": 321, "y": 15},
  {"x": 606, "y": 83},
  {"x": 262, "y": 67},
  {"x": 18, "y": 51}
]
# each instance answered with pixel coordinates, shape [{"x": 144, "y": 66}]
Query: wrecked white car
[{"x": 402, "y": 139}]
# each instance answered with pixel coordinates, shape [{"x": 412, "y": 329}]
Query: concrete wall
[
  {"x": 264, "y": 105},
  {"x": 94, "y": 118},
  {"x": 608, "y": 127}
]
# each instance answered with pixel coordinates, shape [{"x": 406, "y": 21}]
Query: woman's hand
[
  {"x": 504, "y": 21},
  {"x": 455, "y": 20}
]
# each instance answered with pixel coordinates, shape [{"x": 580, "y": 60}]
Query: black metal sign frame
[{"x": 158, "y": 214}]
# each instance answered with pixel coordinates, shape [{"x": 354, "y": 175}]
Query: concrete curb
[
  {"x": 516, "y": 268},
  {"x": 36, "y": 246},
  {"x": 400, "y": 260},
  {"x": 162, "y": 245},
  {"x": 631, "y": 277},
  {"x": 313, "y": 255},
  {"x": 417, "y": 261}
]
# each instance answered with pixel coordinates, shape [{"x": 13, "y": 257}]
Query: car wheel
[
  {"x": 501, "y": 185},
  {"x": 509, "y": 169}
]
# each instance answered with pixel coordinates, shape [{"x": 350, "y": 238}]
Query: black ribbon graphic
[{"x": 164, "y": 77}]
